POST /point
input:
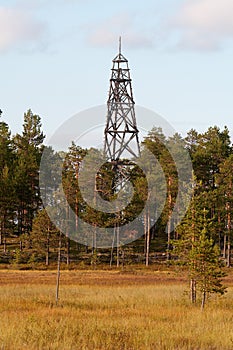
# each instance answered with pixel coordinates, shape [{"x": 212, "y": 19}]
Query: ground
[{"x": 110, "y": 309}]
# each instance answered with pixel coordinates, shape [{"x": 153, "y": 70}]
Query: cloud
[
  {"x": 105, "y": 33},
  {"x": 203, "y": 24},
  {"x": 19, "y": 27}
]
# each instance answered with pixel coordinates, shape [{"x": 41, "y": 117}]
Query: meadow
[{"x": 140, "y": 309}]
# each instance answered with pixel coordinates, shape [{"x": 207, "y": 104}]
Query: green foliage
[
  {"x": 28, "y": 147},
  {"x": 205, "y": 265},
  {"x": 21, "y": 211},
  {"x": 17, "y": 259},
  {"x": 44, "y": 235},
  {"x": 197, "y": 248}
]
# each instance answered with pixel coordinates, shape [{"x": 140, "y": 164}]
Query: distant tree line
[{"x": 207, "y": 224}]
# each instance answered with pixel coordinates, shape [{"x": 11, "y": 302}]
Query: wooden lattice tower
[{"x": 121, "y": 133}]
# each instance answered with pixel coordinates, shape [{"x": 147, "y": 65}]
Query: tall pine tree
[{"x": 28, "y": 152}]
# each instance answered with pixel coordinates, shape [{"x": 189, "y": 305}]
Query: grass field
[{"x": 109, "y": 310}]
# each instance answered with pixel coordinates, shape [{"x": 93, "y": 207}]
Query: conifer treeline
[
  {"x": 19, "y": 185},
  {"x": 22, "y": 216}
]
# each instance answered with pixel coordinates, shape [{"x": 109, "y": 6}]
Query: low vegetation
[{"x": 141, "y": 309}]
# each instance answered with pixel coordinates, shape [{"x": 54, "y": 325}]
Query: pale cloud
[
  {"x": 18, "y": 27},
  {"x": 203, "y": 24},
  {"x": 107, "y": 32}
]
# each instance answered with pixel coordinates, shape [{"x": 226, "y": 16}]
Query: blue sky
[{"x": 56, "y": 58}]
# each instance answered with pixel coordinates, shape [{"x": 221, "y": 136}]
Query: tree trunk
[
  {"x": 47, "y": 250},
  {"x": 203, "y": 300},
  {"x": 58, "y": 268},
  {"x": 77, "y": 202},
  {"x": 1, "y": 233},
  {"x": 193, "y": 290},
  {"x": 123, "y": 259},
  {"x": 169, "y": 219},
  {"x": 145, "y": 232},
  {"x": 229, "y": 252},
  {"x": 219, "y": 230},
  {"x": 2, "y": 230},
  {"x": 94, "y": 242},
  {"x": 67, "y": 235},
  {"x": 4, "y": 244},
  {"x": 118, "y": 245},
  {"x": 76, "y": 214},
  {"x": 229, "y": 236},
  {"x": 67, "y": 250},
  {"x": 224, "y": 246},
  {"x": 112, "y": 249},
  {"x": 148, "y": 239},
  {"x": 168, "y": 238}
]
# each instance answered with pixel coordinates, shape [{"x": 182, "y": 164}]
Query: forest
[{"x": 203, "y": 238}]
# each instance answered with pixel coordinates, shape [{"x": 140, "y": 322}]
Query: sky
[{"x": 56, "y": 59}]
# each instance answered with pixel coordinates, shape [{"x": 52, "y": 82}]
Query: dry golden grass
[{"x": 108, "y": 310}]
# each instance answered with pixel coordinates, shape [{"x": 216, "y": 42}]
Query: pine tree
[
  {"x": 70, "y": 177},
  {"x": 44, "y": 236},
  {"x": 207, "y": 270},
  {"x": 208, "y": 152},
  {"x": 151, "y": 198},
  {"x": 198, "y": 250},
  {"x": 211, "y": 148},
  {"x": 7, "y": 191},
  {"x": 224, "y": 194},
  {"x": 28, "y": 153},
  {"x": 50, "y": 166}
]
